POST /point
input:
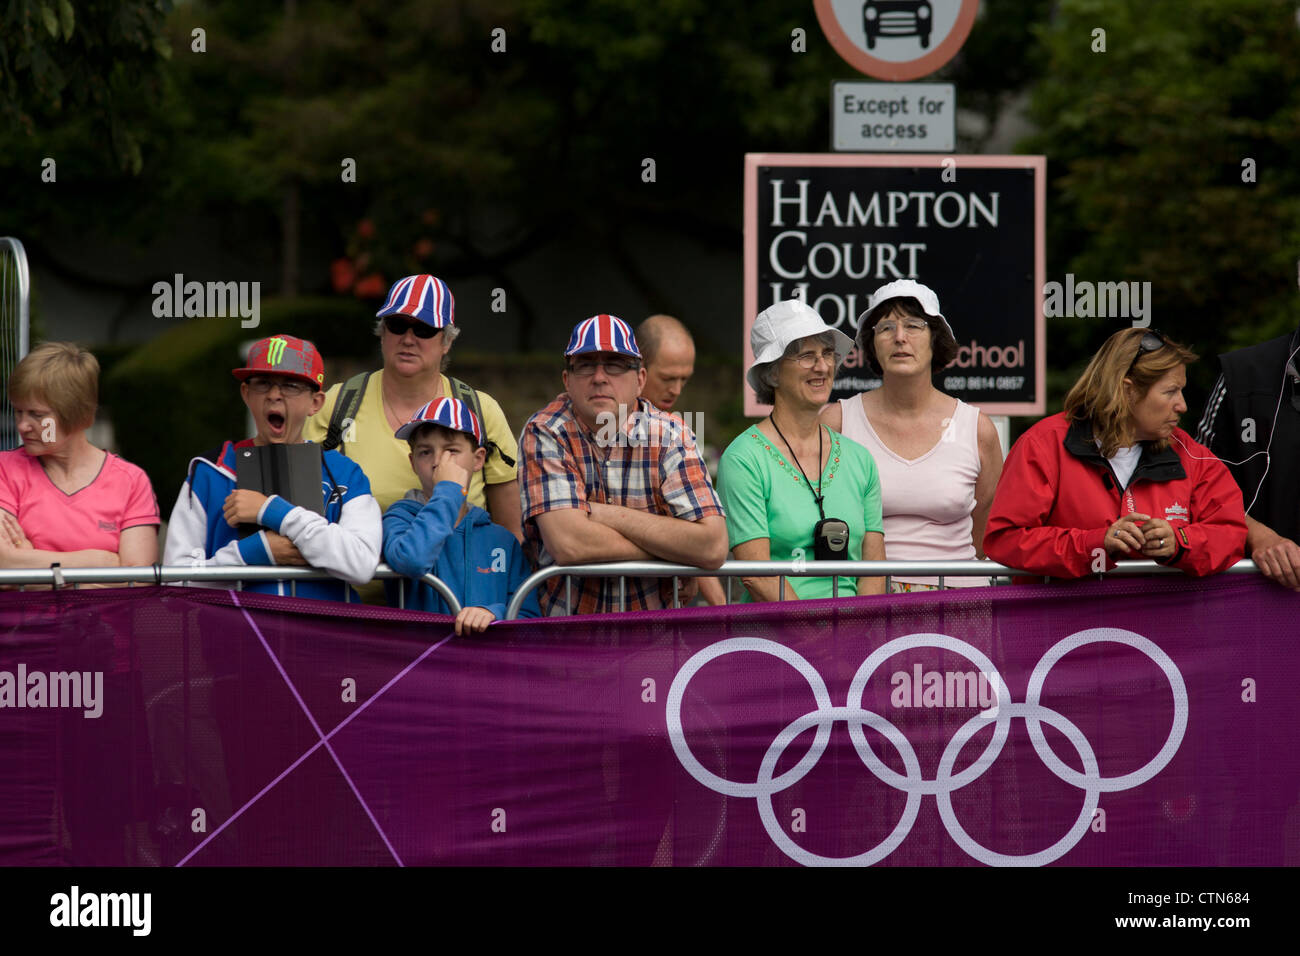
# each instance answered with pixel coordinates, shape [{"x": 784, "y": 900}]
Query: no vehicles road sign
[{"x": 896, "y": 39}]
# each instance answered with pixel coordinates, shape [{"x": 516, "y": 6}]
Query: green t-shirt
[{"x": 766, "y": 497}]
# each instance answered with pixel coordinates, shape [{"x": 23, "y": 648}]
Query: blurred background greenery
[{"x": 520, "y": 171}]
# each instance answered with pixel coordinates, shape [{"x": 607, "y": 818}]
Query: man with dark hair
[
  {"x": 669, "y": 353},
  {"x": 1252, "y": 422}
]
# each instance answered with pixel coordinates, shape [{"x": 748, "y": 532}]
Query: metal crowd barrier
[
  {"x": 182, "y": 574},
  {"x": 15, "y": 293},
  {"x": 817, "y": 569}
]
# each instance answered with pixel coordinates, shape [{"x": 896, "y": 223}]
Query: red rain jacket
[{"x": 1058, "y": 496}]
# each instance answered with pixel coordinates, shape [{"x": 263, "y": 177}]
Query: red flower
[
  {"x": 342, "y": 275},
  {"x": 366, "y": 229},
  {"x": 372, "y": 286}
]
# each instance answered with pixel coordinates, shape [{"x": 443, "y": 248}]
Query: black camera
[{"x": 831, "y": 540}]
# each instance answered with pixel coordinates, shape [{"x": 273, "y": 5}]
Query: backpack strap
[
  {"x": 345, "y": 409},
  {"x": 469, "y": 395}
]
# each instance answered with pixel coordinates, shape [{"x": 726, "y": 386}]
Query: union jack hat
[
  {"x": 449, "y": 413},
  {"x": 423, "y": 297},
  {"x": 602, "y": 333},
  {"x": 284, "y": 355}
]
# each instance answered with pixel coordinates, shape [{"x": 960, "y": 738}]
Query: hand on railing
[
  {"x": 473, "y": 620},
  {"x": 1278, "y": 559}
]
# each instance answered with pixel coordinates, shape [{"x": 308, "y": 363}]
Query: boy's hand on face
[
  {"x": 473, "y": 620},
  {"x": 243, "y": 506},
  {"x": 448, "y": 470}
]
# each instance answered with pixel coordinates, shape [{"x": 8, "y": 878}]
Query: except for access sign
[
  {"x": 893, "y": 117},
  {"x": 896, "y": 39}
]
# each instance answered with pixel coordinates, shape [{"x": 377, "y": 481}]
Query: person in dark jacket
[
  {"x": 435, "y": 528},
  {"x": 1252, "y": 422},
  {"x": 1114, "y": 477}
]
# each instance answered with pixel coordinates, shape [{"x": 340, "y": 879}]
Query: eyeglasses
[
  {"x": 613, "y": 367},
  {"x": 911, "y": 326},
  {"x": 399, "y": 324},
  {"x": 809, "y": 359},
  {"x": 1151, "y": 341},
  {"x": 288, "y": 387}
]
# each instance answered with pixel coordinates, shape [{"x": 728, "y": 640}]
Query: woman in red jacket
[{"x": 1113, "y": 476}]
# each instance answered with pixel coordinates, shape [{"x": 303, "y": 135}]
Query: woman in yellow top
[{"x": 416, "y": 329}]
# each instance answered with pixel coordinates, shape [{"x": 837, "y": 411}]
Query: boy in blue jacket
[
  {"x": 435, "y": 529},
  {"x": 282, "y": 384}
]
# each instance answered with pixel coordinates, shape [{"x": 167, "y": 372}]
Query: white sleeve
[
  {"x": 187, "y": 532},
  {"x": 349, "y": 549}
]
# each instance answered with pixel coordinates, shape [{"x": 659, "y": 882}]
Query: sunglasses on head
[
  {"x": 398, "y": 324},
  {"x": 1151, "y": 341}
]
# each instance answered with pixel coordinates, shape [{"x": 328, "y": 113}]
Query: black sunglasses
[
  {"x": 398, "y": 324},
  {"x": 1151, "y": 341}
]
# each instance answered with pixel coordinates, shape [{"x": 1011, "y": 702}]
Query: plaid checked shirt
[{"x": 658, "y": 469}]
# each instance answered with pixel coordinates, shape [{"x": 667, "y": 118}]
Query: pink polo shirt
[{"x": 118, "y": 498}]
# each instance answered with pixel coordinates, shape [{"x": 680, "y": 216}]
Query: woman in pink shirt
[
  {"x": 938, "y": 458},
  {"x": 62, "y": 500}
]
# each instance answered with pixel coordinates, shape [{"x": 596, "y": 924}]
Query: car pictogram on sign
[{"x": 897, "y": 18}]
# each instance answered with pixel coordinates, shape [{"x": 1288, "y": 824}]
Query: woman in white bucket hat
[
  {"x": 939, "y": 458},
  {"x": 792, "y": 488}
]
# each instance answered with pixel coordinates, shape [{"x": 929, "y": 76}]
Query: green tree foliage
[
  {"x": 467, "y": 157},
  {"x": 1146, "y": 145},
  {"x": 998, "y": 63},
  {"x": 97, "y": 60}
]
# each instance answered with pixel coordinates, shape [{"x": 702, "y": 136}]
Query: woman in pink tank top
[{"x": 939, "y": 459}]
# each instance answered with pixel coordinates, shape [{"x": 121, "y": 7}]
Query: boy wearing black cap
[{"x": 281, "y": 385}]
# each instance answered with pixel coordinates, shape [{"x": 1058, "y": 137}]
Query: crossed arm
[
  {"x": 615, "y": 533},
  {"x": 137, "y": 547}
]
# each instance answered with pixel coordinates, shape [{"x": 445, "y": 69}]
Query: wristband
[{"x": 1183, "y": 545}]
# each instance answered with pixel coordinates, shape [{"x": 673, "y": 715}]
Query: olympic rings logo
[{"x": 945, "y": 782}]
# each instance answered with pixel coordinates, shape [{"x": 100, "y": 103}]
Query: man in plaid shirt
[{"x": 605, "y": 476}]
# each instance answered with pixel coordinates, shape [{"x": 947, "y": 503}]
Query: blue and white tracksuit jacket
[
  {"x": 345, "y": 542},
  {"x": 481, "y": 562}
]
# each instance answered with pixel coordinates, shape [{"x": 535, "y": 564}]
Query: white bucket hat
[
  {"x": 785, "y": 322},
  {"x": 905, "y": 289}
]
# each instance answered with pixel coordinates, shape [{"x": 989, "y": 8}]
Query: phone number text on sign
[{"x": 1002, "y": 383}]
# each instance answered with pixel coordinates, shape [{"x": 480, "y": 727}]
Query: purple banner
[{"x": 1112, "y": 723}]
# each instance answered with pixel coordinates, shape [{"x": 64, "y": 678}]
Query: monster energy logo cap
[{"x": 284, "y": 355}]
